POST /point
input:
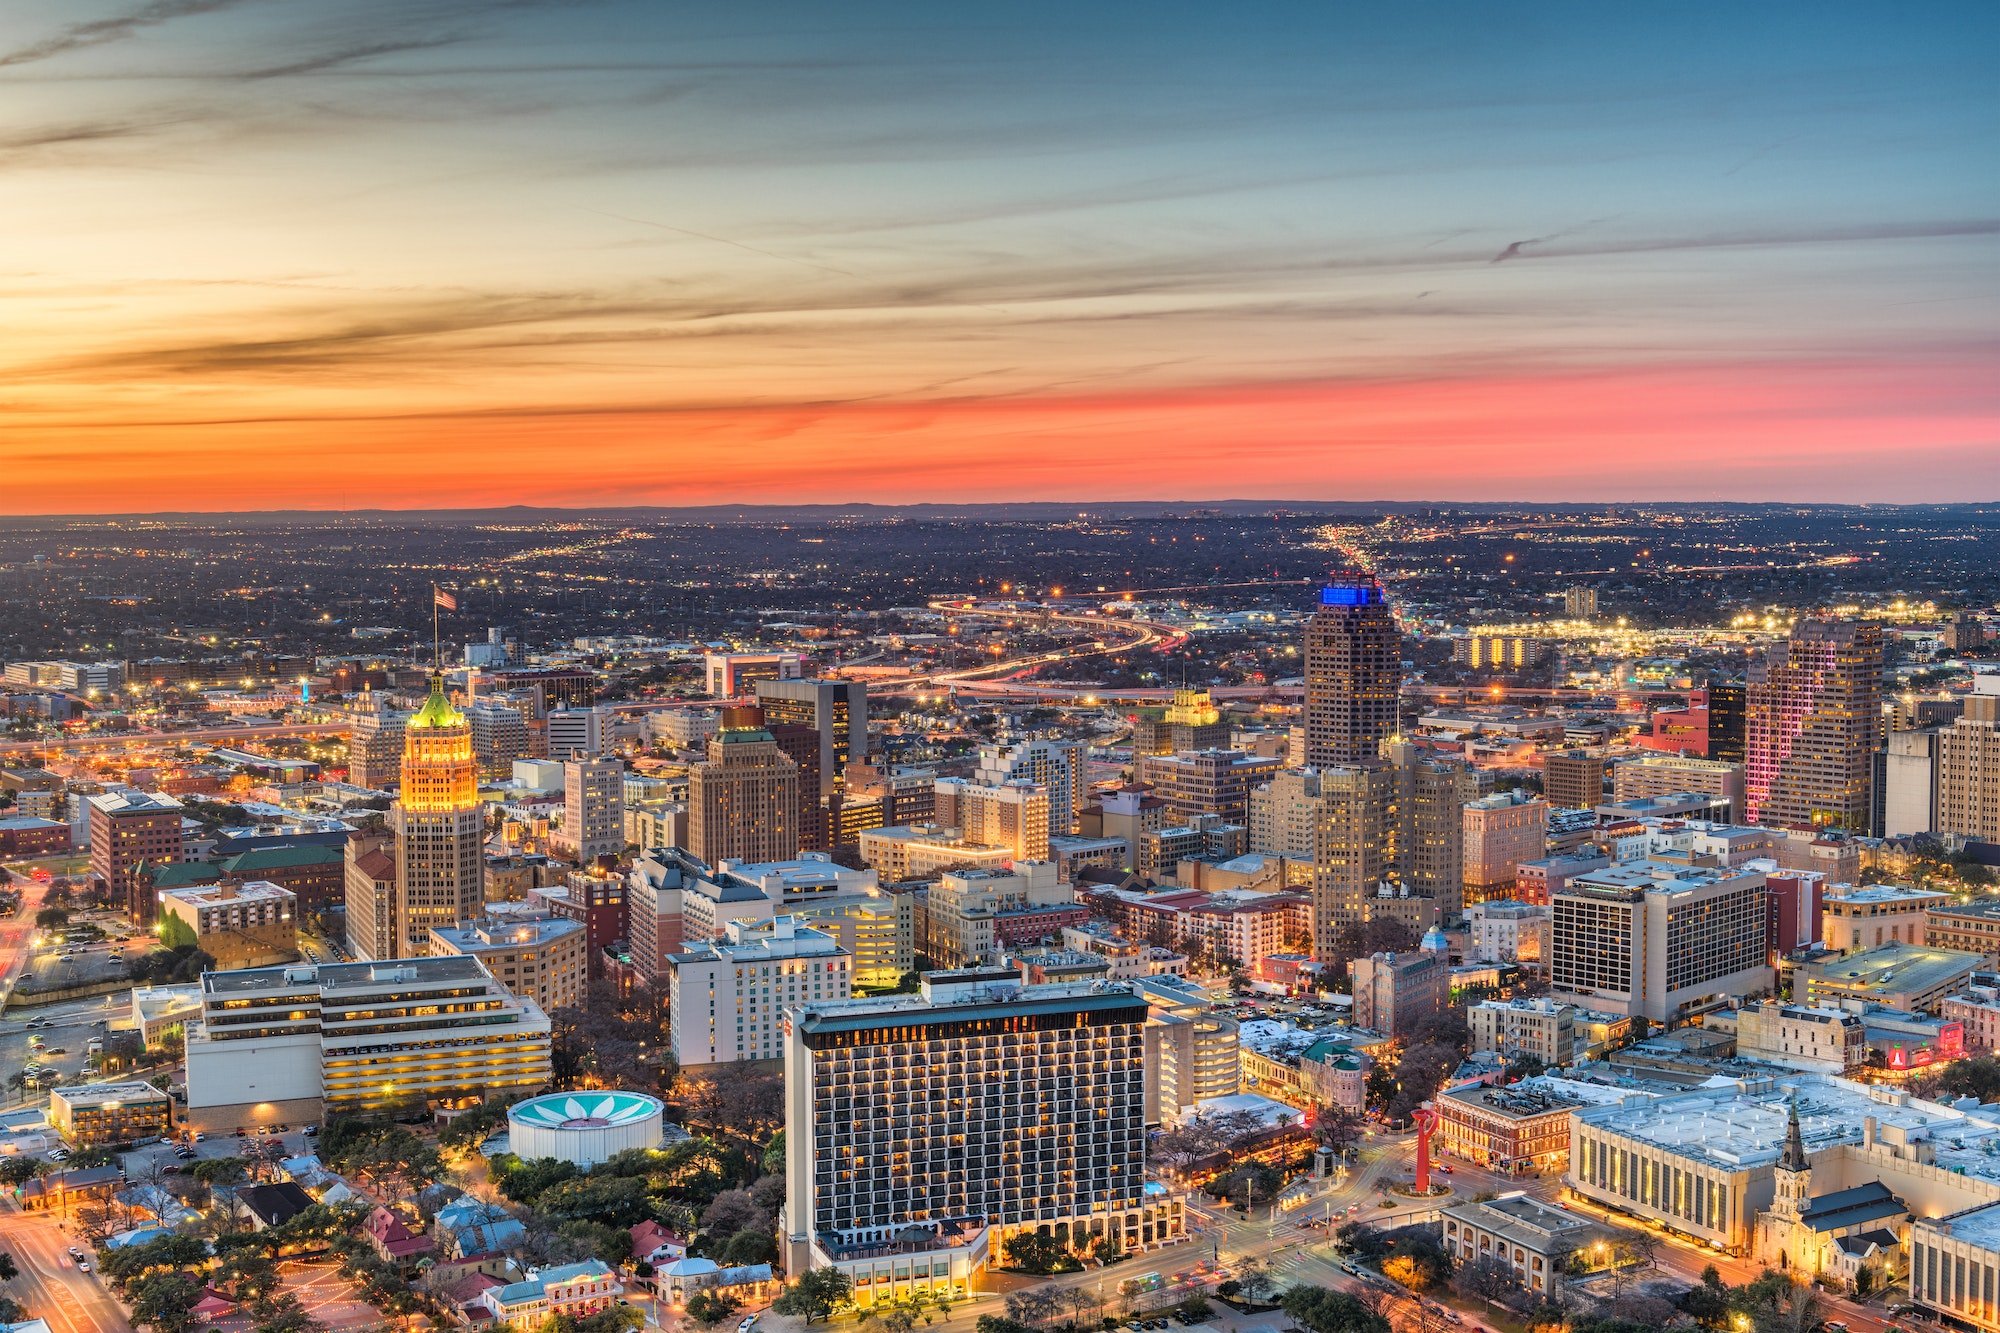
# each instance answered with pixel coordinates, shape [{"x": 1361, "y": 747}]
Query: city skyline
[{"x": 450, "y": 255}]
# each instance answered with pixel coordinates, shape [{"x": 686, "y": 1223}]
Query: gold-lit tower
[{"x": 439, "y": 825}]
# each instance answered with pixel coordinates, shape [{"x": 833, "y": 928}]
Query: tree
[
  {"x": 733, "y": 1211},
  {"x": 1194, "y": 1308},
  {"x": 1324, "y": 1311},
  {"x": 51, "y": 918},
  {"x": 774, "y": 1154},
  {"x": 709, "y": 1308},
  {"x": 1032, "y": 1252},
  {"x": 749, "y": 1246},
  {"x": 8, "y": 1269},
  {"x": 1106, "y": 1251},
  {"x": 1336, "y": 1127},
  {"x": 1033, "y": 1306},
  {"x": 166, "y": 1302},
  {"x": 11, "y": 1311},
  {"x": 1417, "y": 1263},
  {"x": 1485, "y": 1278},
  {"x": 815, "y": 1294}
]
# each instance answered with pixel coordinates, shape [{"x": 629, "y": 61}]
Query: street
[{"x": 50, "y": 1287}]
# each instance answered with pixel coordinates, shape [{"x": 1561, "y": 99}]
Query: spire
[{"x": 1795, "y": 1148}]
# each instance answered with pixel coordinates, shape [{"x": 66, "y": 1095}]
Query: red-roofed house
[
  {"x": 393, "y": 1240},
  {"x": 657, "y": 1245}
]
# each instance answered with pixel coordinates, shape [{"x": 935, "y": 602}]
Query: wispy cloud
[{"x": 99, "y": 32}]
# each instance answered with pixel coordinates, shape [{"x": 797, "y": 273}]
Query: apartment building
[
  {"x": 1499, "y": 832},
  {"x": 1393, "y": 992},
  {"x": 1510, "y": 1029},
  {"x": 1013, "y": 815},
  {"x": 728, "y": 1000}
]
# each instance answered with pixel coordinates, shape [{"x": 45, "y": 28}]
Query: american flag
[{"x": 443, "y": 598}]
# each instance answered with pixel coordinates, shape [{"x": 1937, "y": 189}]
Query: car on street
[
  {"x": 82, "y": 1266},
  {"x": 76, "y": 1253}
]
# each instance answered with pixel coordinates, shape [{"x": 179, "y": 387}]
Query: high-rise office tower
[
  {"x": 1190, "y": 722},
  {"x": 1353, "y": 672},
  {"x": 1431, "y": 796},
  {"x": 977, "y": 1102},
  {"x": 743, "y": 801},
  {"x": 1014, "y": 815},
  {"x": 375, "y": 744},
  {"x": 1573, "y": 779},
  {"x": 1725, "y": 722},
  {"x": 1060, "y": 766},
  {"x": 368, "y": 869},
  {"x": 440, "y": 826},
  {"x": 1355, "y": 847},
  {"x": 499, "y": 737},
  {"x": 1501, "y": 831},
  {"x": 593, "y": 822},
  {"x": 1968, "y": 766},
  {"x": 802, "y": 744},
  {"x": 836, "y": 709},
  {"x": 1813, "y": 721},
  {"x": 130, "y": 830}
]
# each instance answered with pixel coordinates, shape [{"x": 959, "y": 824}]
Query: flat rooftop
[
  {"x": 344, "y": 976},
  {"x": 1532, "y": 1097},
  {"x": 1976, "y": 1226},
  {"x": 1650, "y": 877},
  {"x": 219, "y": 895},
  {"x": 103, "y": 1094},
  {"x": 1742, "y": 1126},
  {"x": 1884, "y": 893},
  {"x": 1896, "y": 966},
  {"x": 486, "y": 933}
]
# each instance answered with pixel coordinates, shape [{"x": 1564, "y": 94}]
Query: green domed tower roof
[{"x": 437, "y": 710}]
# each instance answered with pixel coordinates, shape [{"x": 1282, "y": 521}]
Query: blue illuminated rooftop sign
[{"x": 1350, "y": 594}]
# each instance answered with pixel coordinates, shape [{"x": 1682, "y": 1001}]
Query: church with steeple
[{"x": 1834, "y": 1234}]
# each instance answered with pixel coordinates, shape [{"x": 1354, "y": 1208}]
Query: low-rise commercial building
[
  {"x": 1824, "y": 1039},
  {"x": 1522, "y": 1127},
  {"x": 1533, "y": 1239},
  {"x": 1863, "y": 916},
  {"x": 97, "y": 1115},
  {"x": 1972, "y": 927}
]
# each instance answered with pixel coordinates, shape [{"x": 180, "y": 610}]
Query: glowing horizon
[{"x": 447, "y": 255}]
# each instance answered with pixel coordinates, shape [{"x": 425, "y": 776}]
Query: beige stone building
[
  {"x": 1968, "y": 772},
  {"x": 544, "y": 960},
  {"x": 743, "y": 802}
]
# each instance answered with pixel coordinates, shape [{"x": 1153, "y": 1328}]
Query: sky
[{"x": 268, "y": 254}]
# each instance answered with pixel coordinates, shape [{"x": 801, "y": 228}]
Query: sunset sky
[{"x": 419, "y": 253}]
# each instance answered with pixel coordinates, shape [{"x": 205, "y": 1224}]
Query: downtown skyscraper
[
  {"x": 439, "y": 826},
  {"x": 1813, "y": 720},
  {"x": 1353, "y": 673}
]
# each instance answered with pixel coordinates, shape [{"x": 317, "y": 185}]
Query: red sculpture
[{"x": 1426, "y": 1119}]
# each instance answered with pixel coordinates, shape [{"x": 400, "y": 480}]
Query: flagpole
[{"x": 437, "y": 651}]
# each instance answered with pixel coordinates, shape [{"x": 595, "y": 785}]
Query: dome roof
[
  {"x": 437, "y": 710},
  {"x": 1434, "y": 941}
]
